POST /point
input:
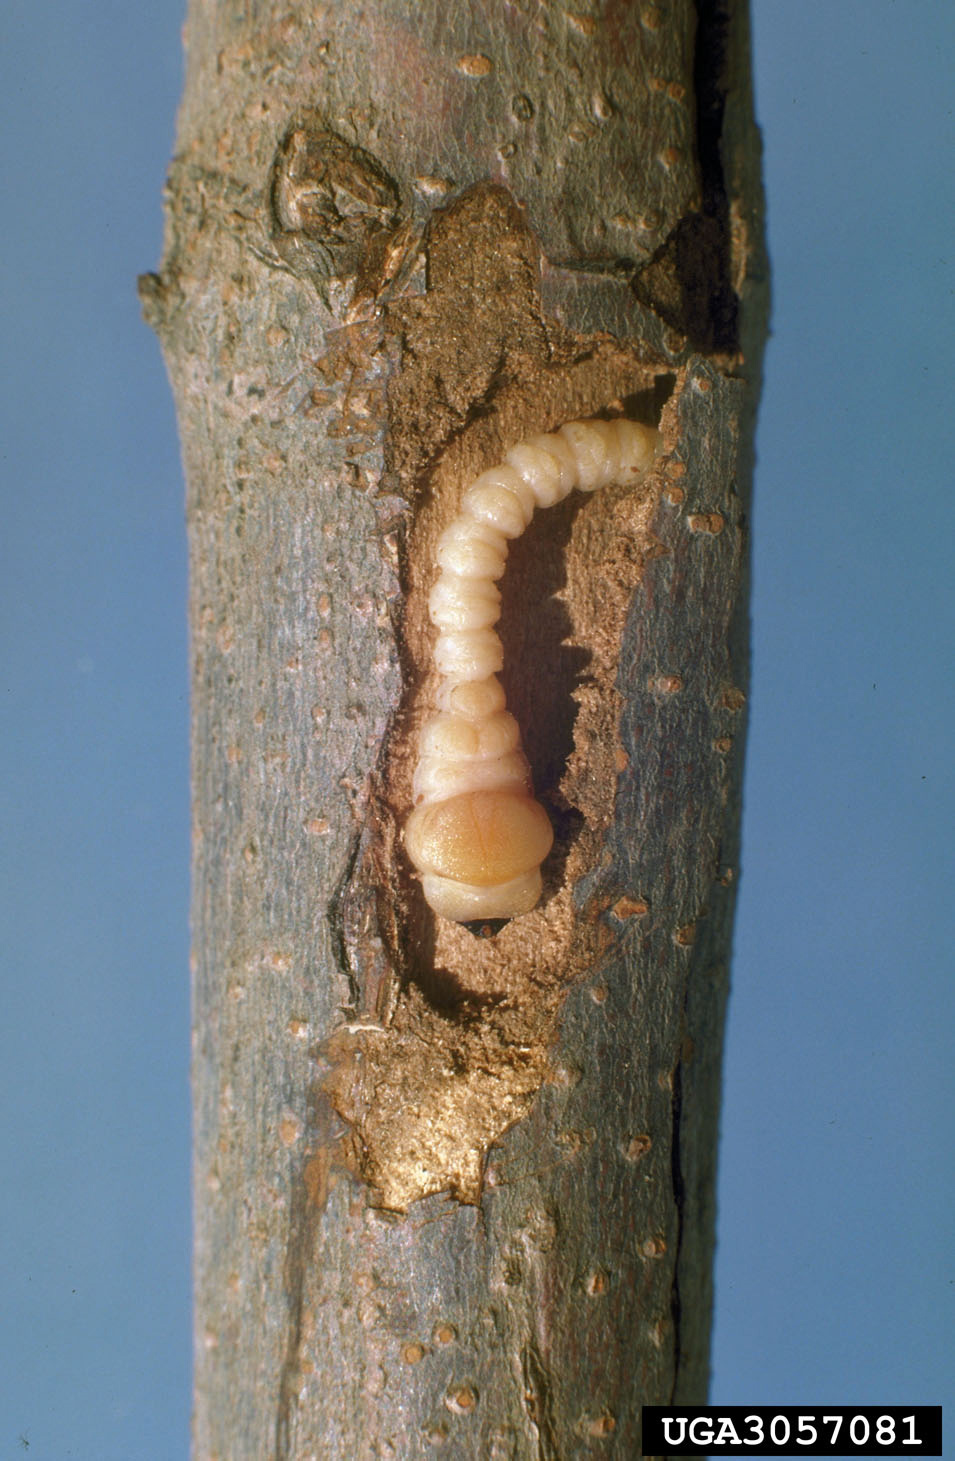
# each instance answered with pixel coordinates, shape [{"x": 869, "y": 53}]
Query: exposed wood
[{"x": 457, "y": 1190}]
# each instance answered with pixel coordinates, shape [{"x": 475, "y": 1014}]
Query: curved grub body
[{"x": 476, "y": 836}]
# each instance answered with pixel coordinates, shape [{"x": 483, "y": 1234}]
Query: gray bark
[{"x": 456, "y": 1188}]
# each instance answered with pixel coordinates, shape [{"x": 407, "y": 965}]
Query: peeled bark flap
[{"x": 454, "y": 1192}]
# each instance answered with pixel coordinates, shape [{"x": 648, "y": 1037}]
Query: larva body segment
[
  {"x": 472, "y": 550},
  {"x": 464, "y": 603},
  {"x": 476, "y": 836}
]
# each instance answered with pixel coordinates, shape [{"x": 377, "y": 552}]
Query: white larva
[{"x": 476, "y": 836}]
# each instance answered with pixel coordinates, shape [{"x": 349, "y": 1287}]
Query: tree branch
[{"x": 454, "y": 1187}]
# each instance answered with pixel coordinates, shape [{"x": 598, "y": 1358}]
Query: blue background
[{"x": 835, "y": 1263}]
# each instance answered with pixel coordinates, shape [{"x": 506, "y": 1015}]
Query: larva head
[
  {"x": 480, "y": 842},
  {"x": 637, "y": 445}
]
